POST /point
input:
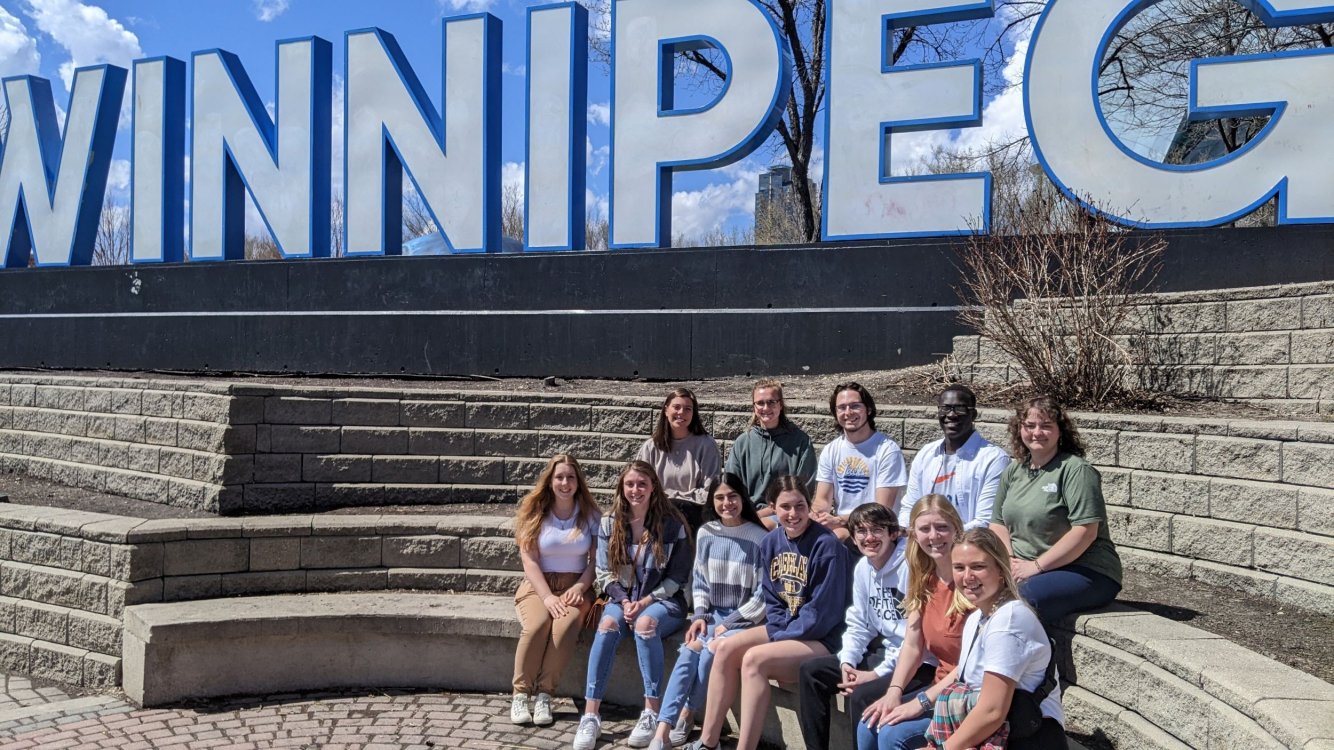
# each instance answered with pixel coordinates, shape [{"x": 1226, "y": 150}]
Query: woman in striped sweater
[{"x": 727, "y": 599}]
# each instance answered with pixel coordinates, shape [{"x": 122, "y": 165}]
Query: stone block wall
[
  {"x": 1240, "y": 503},
  {"x": 1273, "y": 343}
]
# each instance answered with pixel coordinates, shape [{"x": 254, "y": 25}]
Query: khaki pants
[{"x": 545, "y": 646}]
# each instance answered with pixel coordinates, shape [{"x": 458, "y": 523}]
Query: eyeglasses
[
  {"x": 767, "y": 403},
  {"x": 855, "y": 406},
  {"x": 865, "y": 531},
  {"x": 947, "y": 409}
]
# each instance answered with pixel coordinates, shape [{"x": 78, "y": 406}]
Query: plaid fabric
[{"x": 952, "y": 705}]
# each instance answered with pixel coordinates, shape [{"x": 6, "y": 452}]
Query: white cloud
[
  {"x": 600, "y": 113},
  {"x": 18, "y": 50},
  {"x": 465, "y": 6},
  {"x": 86, "y": 32},
  {"x": 596, "y": 158},
  {"x": 267, "y": 10},
  {"x": 513, "y": 70},
  {"x": 118, "y": 179},
  {"x": 511, "y": 175},
  {"x": 698, "y": 212},
  {"x": 596, "y": 204}
]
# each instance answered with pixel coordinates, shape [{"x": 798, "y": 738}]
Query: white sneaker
[
  {"x": 519, "y": 710},
  {"x": 586, "y": 736},
  {"x": 644, "y": 729},
  {"x": 685, "y": 724},
  {"x": 542, "y": 710}
]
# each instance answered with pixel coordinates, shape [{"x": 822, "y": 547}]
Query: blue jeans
[
  {"x": 1059, "y": 593},
  {"x": 689, "y": 683},
  {"x": 649, "y": 648},
  {"x": 902, "y": 736}
]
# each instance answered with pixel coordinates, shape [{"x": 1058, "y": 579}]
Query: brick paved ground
[{"x": 328, "y": 721}]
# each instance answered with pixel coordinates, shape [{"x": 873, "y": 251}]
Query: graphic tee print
[
  {"x": 853, "y": 474},
  {"x": 789, "y": 572}
]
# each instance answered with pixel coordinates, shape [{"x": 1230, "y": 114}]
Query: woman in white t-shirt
[
  {"x": 1005, "y": 649},
  {"x": 556, "y": 529}
]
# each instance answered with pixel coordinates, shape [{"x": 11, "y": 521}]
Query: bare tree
[
  {"x": 1144, "y": 78},
  {"x": 1057, "y": 303},
  {"x": 112, "y": 246},
  {"x": 802, "y": 25},
  {"x": 417, "y": 221},
  {"x": 337, "y": 222},
  {"x": 596, "y": 231},
  {"x": 261, "y": 246},
  {"x": 511, "y": 212}
]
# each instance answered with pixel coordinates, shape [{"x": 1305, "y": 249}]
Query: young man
[
  {"x": 860, "y": 465},
  {"x": 864, "y": 666},
  {"x": 962, "y": 466}
]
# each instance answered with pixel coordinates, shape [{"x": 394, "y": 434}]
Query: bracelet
[
  {"x": 1038, "y": 563},
  {"x": 924, "y": 700},
  {"x": 894, "y": 687}
]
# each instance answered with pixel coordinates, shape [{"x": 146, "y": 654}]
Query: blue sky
[{"x": 52, "y": 37}]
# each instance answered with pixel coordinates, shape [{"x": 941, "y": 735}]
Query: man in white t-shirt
[
  {"x": 962, "y": 466},
  {"x": 859, "y": 466}
]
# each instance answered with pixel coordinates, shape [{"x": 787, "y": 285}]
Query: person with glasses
[
  {"x": 773, "y": 447},
  {"x": 865, "y": 664},
  {"x": 1050, "y": 514},
  {"x": 962, "y": 465},
  {"x": 859, "y": 466}
]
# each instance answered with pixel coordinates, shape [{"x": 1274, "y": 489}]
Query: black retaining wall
[{"x": 632, "y": 313}]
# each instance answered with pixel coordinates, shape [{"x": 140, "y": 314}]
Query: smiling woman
[
  {"x": 1050, "y": 514},
  {"x": 683, "y": 453},
  {"x": 643, "y": 563}
]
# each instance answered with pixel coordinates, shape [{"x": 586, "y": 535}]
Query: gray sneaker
[
  {"x": 644, "y": 729},
  {"x": 586, "y": 736},
  {"x": 542, "y": 710},
  {"x": 681, "y": 732}
]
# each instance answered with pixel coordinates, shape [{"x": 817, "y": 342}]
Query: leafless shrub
[
  {"x": 511, "y": 211},
  {"x": 596, "y": 230},
  {"x": 1056, "y": 303},
  {"x": 112, "y": 246},
  {"x": 261, "y": 247}
]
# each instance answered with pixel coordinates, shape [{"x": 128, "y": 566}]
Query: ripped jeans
[{"x": 657, "y": 621}]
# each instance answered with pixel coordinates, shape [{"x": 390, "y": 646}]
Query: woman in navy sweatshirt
[{"x": 805, "y": 580}]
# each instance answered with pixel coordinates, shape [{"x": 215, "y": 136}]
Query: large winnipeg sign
[{"x": 52, "y": 183}]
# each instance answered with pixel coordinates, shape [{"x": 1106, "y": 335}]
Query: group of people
[{"x": 923, "y": 594}]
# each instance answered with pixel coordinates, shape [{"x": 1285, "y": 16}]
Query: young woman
[
  {"x": 683, "y": 453},
  {"x": 772, "y": 447},
  {"x": 863, "y": 670},
  {"x": 936, "y": 614},
  {"x": 1005, "y": 649},
  {"x": 556, "y": 527},
  {"x": 643, "y": 563},
  {"x": 1049, "y": 513},
  {"x": 727, "y": 598},
  {"x": 805, "y": 581}
]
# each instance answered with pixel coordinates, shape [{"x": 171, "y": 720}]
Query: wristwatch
[{"x": 925, "y": 701}]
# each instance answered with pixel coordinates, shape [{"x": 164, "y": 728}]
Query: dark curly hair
[{"x": 1050, "y": 408}]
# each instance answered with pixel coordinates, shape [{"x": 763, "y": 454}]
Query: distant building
[{"x": 777, "y": 213}]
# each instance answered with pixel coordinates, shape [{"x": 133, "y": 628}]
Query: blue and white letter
[
  {"x": 557, "y": 124},
  {"x": 285, "y": 167},
  {"x": 391, "y": 126},
  {"x": 650, "y": 137},
  {"x": 867, "y": 100},
  {"x": 158, "y": 193},
  {"x": 1289, "y": 158},
  {"x": 51, "y": 189}
]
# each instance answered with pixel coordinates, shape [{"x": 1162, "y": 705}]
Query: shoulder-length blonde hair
[
  {"x": 538, "y": 503},
  {"x": 659, "y": 509},
  {"x": 921, "y": 568},
  {"x": 991, "y": 546}
]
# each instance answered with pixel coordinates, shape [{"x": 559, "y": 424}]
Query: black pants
[
  {"x": 818, "y": 683},
  {"x": 694, "y": 513},
  {"x": 1050, "y": 736}
]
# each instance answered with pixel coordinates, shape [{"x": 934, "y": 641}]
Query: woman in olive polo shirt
[{"x": 1049, "y": 511}]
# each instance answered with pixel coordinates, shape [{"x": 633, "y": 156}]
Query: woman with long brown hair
[
  {"x": 555, "y": 527},
  {"x": 683, "y": 453},
  {"x": 643, "y": 564}
]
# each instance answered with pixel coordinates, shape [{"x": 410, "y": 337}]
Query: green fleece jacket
[{"x": 759, "y": 455}]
